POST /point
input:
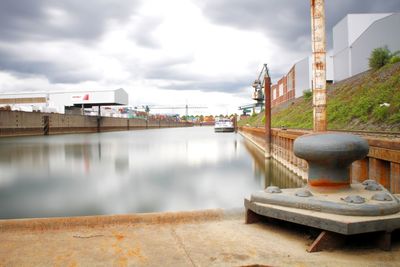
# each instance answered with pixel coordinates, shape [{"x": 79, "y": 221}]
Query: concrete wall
[
  {"x": 61, "y": 123},
  {"x": 20, "y": 123},
  {"x": 354, "y": 38},
  {"x": 112, "y": 124},
  {"x": 341, "y": 65},
  {"x": 359, "y": 23},
  {"x": 303, "y": 78},
  {"x": 137, "y": 123},
  {"x": 17, "y": 123},
  {"x": 383, "y": 32},
  {"x": 340, "y": 36}
]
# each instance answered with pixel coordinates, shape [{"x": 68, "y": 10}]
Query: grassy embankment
[{"x": 353, "y": 104}]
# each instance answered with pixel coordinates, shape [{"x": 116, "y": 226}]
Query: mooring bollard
[
  {"x": 330, "y": 201},
  {"x": 329, "y": 156}
]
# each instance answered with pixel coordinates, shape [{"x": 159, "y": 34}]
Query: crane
[
  {"x": 186, "y": 107},
  {"x": 258, "y": 84},
  {"x": 258, "y": 94}
]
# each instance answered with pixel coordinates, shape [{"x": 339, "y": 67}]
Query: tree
[{"x": 380, "y": 57}]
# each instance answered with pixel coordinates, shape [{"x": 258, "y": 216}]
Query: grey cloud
[
  {"x": 26, "y": 19},
  {"x": 54, "y": 71},
  {"x": 171, "y": 73},
  {"x": 182, "y": 78},
  {"x": 143, "y": 33},
  {"x": 170, "y": 68},
  {"x": 287, "y": 21},
  {"x": 228, "y": 86}
]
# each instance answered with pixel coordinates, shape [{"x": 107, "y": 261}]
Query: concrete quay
[
  {"x": 199, "y": 238},
  {"x": 18, "y": 123}
]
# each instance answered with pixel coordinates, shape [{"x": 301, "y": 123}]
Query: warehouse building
[
  {"x": 297, "y": 80},
  {"x": 356, "y": 35},
  {"x": 354, "y": 38},
  {"x": 63, "y": 102}
]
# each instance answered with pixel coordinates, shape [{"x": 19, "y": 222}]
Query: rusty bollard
[{"x": 329, "y": 156}]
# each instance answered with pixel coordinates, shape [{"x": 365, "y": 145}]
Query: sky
[{"x": 167, "y": 53}]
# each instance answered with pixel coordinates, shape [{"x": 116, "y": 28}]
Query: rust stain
[
  {"x": 65, "y": 260},
  {"x": 117, "y": 249},
  {"x": 327, "y": 183},
  {"x": 123, "y": 261},
  {"x": 137, "y": 253},
  {"x": 119, "y": 237}
]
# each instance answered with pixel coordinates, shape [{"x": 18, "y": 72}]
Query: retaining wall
[
  {"x": 17, "y": 123},
  {"x": 381, "y": 164}
]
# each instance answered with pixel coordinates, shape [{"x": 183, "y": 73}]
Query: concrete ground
[{"x": 204, "y": 238}]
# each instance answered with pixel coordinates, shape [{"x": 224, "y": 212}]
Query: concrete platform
[
  {"x": 203, "y": 238},
  {"x": 342, "y": 224}
]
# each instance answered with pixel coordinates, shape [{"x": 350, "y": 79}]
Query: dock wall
[
  {"x": 381, "y": 164},
  {"x": 18, "y": 123}
]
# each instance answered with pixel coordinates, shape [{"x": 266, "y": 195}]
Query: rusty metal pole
[
  {"x": 267, "y": 110},
  {"x": 318, "y": 36}
]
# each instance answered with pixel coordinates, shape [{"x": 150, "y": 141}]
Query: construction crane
[{"x": 186, "y": 107}]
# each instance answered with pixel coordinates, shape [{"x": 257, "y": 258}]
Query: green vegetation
[
  {"x": 368, "y": 101},
  {"x": 381, "y": 56},
  {"x": 394, "y": 60},
  {"x": 307, "y": 94}
]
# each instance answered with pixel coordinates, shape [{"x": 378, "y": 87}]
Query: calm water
[{"x": 131, "y": 171}]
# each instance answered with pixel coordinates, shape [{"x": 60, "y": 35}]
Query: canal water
[{"x": 131, "y": 171}]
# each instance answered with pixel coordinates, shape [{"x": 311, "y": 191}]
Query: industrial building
[
  {"x": 356, "y": 35},
  {"x": 297, "y": 80},
  {"x": 354, "y": 38},
  {"x": 63, "y": 102}
]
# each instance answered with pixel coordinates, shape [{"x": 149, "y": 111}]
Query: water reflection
[
  {"x": 270, "y": 171},
  {"x": 127, "y": 172}
]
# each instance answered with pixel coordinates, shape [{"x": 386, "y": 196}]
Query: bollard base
[
  {"x": 355, "y": 200},
  {"x": 336, "y": 226}
]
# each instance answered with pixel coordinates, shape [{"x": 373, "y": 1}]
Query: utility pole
[{"x": 318, "y": 40}]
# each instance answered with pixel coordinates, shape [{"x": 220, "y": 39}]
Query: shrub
[
  {"x": 307, "y": 94},
  {"x": 394, "y": 59},
  {"x": 382, "y": 56},
  {"x": 379, "y": 58},
  {"x": 380, "y": 113}
]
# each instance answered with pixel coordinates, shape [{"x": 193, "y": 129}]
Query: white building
[
  {"x": 58, "y": 101},
  {"x": 303, "y": 73},
  {"x": 356, "y": 35}
]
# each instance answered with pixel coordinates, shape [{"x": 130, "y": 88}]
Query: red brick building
[{"x": 284, "y": 89}]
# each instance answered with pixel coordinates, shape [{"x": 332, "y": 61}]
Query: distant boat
[{"x": 224, "y": 125}]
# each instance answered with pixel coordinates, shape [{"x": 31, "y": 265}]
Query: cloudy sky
[{"x": 199, "y": 52}]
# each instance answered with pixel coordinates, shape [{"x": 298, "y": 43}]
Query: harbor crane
[
  {"x": 258, "y": 94},
  {"x": 186, "y": 107}
]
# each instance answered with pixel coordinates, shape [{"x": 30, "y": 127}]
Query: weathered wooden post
[
  {"x": 318, "y": 37},
  {"x": 267, "y": 110}
]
